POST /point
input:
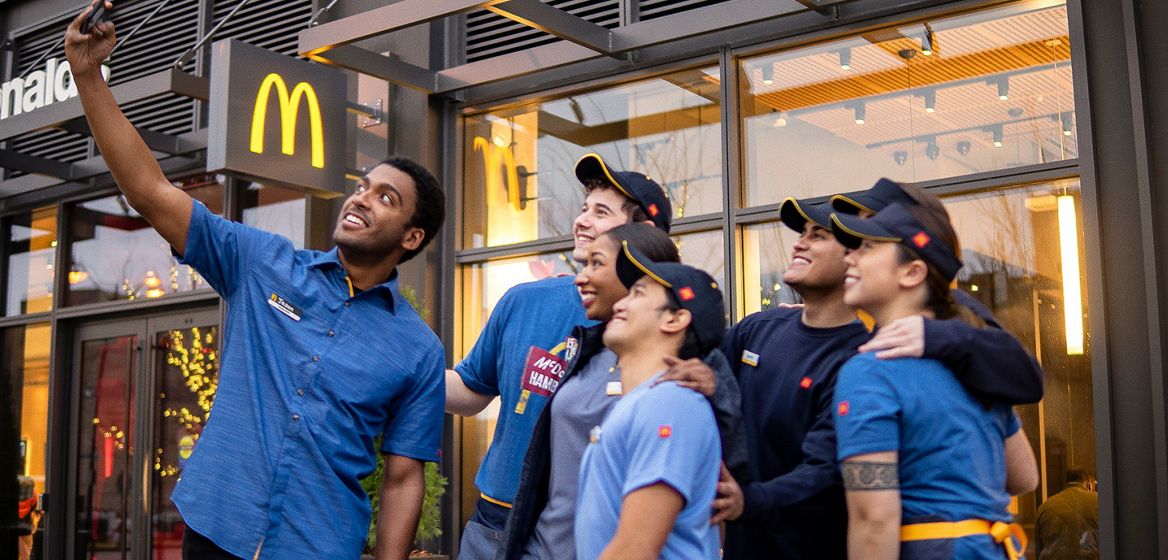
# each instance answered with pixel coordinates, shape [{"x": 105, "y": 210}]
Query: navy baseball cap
[
  {"x": 695, "y": 290},
  {"x": 873, "y": 200},
  {"x": 896, "y": 225},
  {"x": 637, "y": 186},
  {"x": 795, "y": 214}
]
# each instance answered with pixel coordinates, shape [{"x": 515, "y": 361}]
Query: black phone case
[{"x": 97, "y": 15}]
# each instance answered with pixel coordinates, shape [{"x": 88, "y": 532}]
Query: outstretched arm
[{"x": 133, "y": 166}]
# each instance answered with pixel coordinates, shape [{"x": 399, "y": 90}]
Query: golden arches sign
[
  {"x": 289, "y": 110},
  {"x": 494, "y": 158}
]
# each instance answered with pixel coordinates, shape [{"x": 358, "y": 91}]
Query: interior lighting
[
  {"x": 927, "y": 43},
  {"x": 153, "y": 285},
  {"x": 1004, "y": 88},
  {"x": 768, "y": 73},
  {"x": 998, "y": 135},
  {"x": 845, "y": 58},
  {"x": 930, "y": 100},
  {"x": 77, "y": 275},
  {"x": 932, "y": 149},
  {"x": 780, "y": 119},
  {"x": 861, "y": 111},
  {"x": 1072, "y": 289},
  {"x": 900, "y": 156},
  {"x": 1065, "y": 119},
  {"x": 963, "y": 147}
]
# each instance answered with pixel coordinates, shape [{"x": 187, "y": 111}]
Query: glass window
[
  {"x": 24, "y": 381},
  {"x": 31, "y": 242},
  {"x": 116, "y": 255},
  {"x": 186, "y": 377},
  {"x": 519, "y": 164},
  {"x": 978, "y": 92},
  {"x": 274, "y": 209},
  {"x": 766, "y": 250},
  {"x": 705, "y": 250}
]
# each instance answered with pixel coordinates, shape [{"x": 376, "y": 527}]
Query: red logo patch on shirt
[
  {"x": 542, "y": 372},
  {"x": 843, "y": 408},
  {"x": 686, "y": 293},
  {"x": 921, "y": 239},
  {"x": 805, "y": 383},
  {"x": 653, "y": 211},
  {"x": 664, "y": 431}
]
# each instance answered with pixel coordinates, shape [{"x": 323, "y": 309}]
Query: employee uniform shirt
[
  {"x": 787, "y": 371},
  {"x": 951, "y": 449},
  {"x": 662, "y": 434},
  {"x": 582, "y": 403},
  {"x": 521, "y": 356},
  {"x": 310, "y": 375}
]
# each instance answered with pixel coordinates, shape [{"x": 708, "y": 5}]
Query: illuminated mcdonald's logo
[{"x": 289, "y": 110}]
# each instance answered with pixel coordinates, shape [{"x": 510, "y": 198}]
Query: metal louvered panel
[
  {"x": 270, "y": 24},
  {"x": 653, "y": 9},
  {"x": 489, "y": 34}
]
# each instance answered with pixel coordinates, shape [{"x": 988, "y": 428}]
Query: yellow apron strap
[{"x": 1000, "y": 531}]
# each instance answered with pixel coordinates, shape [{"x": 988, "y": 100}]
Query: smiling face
[
  {"x": 817, "y": 262},
  {"x": 375, "y": 220},
  {"x": 873, "y": 275},
  {"x": 601, "y": 212},
  {"x": 599, "y": 286},
  {"x": 638, "y": 318}
]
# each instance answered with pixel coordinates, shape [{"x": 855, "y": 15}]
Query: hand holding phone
[{"x": 96, "y": 15}]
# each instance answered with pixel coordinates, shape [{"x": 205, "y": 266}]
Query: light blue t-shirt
[
  {"x": 951, "y": 449},
  {"x": 521, "y": 355},
  {"x": 663, "y": 434}
]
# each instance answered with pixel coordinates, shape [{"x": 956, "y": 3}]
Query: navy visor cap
[
  {"x": 873, "y": 200},
  {"x": 896, "y": 225},
  {"x": 637, "y": 186},
  {"x": 696, "y": 292},
  {"x": 796, "y": 213}
]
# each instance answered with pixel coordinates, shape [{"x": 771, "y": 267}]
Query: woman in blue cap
[{"x": 928, "y": 468}]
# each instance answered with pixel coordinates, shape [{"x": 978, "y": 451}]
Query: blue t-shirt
[
  {"x": 309, "y": 376},
  {"x": 663, "y": 434},
  {"x": 951, "y": 449},
  {"x": 521, "y": 355}
]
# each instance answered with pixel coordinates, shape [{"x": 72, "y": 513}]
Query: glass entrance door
[{"x": 144, "y": 389}]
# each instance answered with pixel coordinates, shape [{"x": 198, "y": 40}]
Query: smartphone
[{"x": 97, "y": 15}]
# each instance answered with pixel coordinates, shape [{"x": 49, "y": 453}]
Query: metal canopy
[
  {"x": 68, "y": 115},
  {"x": 331, "y": 42}
]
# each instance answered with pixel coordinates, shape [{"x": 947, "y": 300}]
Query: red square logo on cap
[
  {"x": 653, "y": 211},
  {"x": 805, "y": 383},
  {"x": 921, "y": 239},
  {"x": 686, "y": 293}
]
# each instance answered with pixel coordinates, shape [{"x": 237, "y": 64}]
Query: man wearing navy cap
[
  {"x": 990, "y": 362},
  {"x": 649, "y": 473},
  {"x": 522, "y": 351}
]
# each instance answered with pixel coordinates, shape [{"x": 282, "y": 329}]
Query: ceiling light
[
  {"x": 845, "y": 58},
  {"x": 963, "y": 147},
  {"x": 768, "y": 74},
  {"x": 780, "y": 120},
  {"x": 930, "y": 100},
  {"x": 900, "y": 156},
  {"x": 998, "y": 135},
  {"x": 1004, "y": 89},
  {"x": 927, "y": 42},
  {"x": 932, "y": 150},
  {"x": 860, "y": 110},
  {"x": 1067, "y": 122}
]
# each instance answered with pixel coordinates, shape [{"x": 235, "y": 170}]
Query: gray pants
[{"x": 479, "y": 542}]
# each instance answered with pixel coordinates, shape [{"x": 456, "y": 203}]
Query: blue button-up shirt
[{"x": 310, "y": 374}]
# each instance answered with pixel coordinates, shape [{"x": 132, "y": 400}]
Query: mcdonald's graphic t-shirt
[{"x": 521, "y": 356}]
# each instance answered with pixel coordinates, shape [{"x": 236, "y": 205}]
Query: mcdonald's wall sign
[{"x": 276, "y": 120}]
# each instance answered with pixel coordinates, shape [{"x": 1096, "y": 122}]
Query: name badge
[
  {"x": 284, "y": 306},
  {"x": 749, "y": 358}
]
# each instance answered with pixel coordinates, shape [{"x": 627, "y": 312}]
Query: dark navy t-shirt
[{"x": 787, "y": 371}]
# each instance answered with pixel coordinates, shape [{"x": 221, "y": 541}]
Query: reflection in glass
[
  {"x": 274, "y": 209},
  {"x": 766, "y": 250},
  {"x": 122, "y": 257},
  {"x": 706, "y": 251},
  {"x": 24, "y": 412},
  {"x": 186, "y": 378},
  {"x": 1013, "y": 245},
  {"x": 519, "y": 164},
  {"x": 977, "y": 92},
  {"x": 30, "y": 243},
  {"x": 105, "y": 447}
]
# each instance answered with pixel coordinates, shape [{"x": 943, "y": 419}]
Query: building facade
[{"x": 1038, "y": 122}]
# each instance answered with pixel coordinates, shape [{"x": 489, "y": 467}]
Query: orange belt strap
[{"x": 999, "y": 530}]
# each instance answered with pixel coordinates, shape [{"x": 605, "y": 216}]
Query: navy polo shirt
[{"x": 311, "y": 372}]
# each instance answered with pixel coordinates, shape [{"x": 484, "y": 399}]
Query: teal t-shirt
[{"x": 951, "y": 448}]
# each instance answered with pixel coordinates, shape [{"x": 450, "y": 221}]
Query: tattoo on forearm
[{"x": 859, "y": 476}]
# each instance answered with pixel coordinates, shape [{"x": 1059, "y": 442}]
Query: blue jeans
[{"x": 483, "y": 535}]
